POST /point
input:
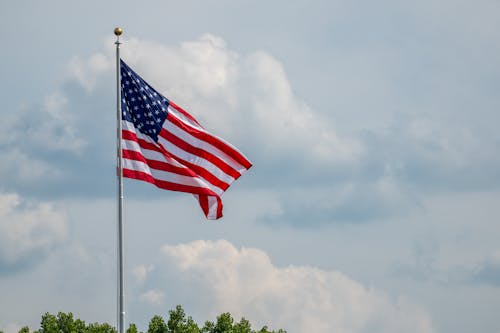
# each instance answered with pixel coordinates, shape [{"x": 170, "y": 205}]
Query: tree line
[{"x": 178, "y": 322}]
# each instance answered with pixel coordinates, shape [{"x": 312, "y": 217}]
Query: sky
[{"x": 373, "y": 202}]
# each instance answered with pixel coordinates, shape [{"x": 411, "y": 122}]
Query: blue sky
[{"x": 373, "y": 201}]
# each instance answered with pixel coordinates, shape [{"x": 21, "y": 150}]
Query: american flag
[{"x": 164, "y": 145}]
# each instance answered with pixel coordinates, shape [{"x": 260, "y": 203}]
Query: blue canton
[{"x": 141, "y": 104}]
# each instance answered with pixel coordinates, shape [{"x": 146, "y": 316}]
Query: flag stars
[{"x": 142, "y": 105}]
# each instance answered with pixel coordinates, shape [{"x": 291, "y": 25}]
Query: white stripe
[
  {"x": 194, "y": 141},
  {"x": 155, "y": 155},
  {"x": 188, "y": 122},
  {"x": 184, "y": 119},
  {"x": 147, "y": 153},
  {"x": 212, "y": 207},
  {"x": 150, "y": 154},
  {"x": 196, "y": 160},
  {"x": 163, "y": 175},
  {"x": 126, "y": 125}
]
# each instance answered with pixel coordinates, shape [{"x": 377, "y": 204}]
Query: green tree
[
  {"x": 178, "y": 323},
  {"x": 67, "y": 324},
  {"x": 242, "y": 327},
  {"x": 208, "y": 327},
  {"x": 100, "y": 328},
  {"x": 157, "y": 325},
  {"x": 132, "y": 328},
  {"x": 224, "y": 323},
  {"x": 265, "y": 330},
  {"x": 49, "y": 324}
]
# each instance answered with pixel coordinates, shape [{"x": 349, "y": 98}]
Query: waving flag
[{"x": 164, "y": 145}]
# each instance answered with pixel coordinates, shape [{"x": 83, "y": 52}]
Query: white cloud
[
  {"x": 155, "y": 297},
  {"x": 217, "y": 275},
  {"x": 141, "y": 272},
  {"x": 247, "y": 98},
  {"x": 25, "y": 169},
  {"x": 28, "y": 232},
  {"x": 11, "y": 328},
  {"x": 57, "y": 129},
  {"x": 241, "y": 96},
  {"x": 88, "y": 71}
]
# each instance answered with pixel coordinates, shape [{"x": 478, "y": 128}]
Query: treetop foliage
[{"x": 178, "y": 322}]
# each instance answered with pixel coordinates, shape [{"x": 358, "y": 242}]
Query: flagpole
[{"x": 120, "y": 290}]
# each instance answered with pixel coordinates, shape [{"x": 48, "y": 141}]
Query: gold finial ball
[{"x": 118, "y": 31}]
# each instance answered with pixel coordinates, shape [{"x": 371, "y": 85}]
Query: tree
[
  {"x": 208, "y": 327},
  {"x": 178, "y": 322},
  {"x": 242, "y": 327},
  {"x": 157, "y": 325},
  {"x": 49, "y": 324},
  {"x": 66, "y": 323},
  {"x": 224, "y": 323},
  {"x": 132, "y": 328},
  {"x": 99, "y": 328}
]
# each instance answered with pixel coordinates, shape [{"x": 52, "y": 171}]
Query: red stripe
[
  {"x": 139, "y": 175},
  {"x": 189, "y": 169},
  {"x": 219, "y": 208},
  {"x": 200, "y": 152},
  {"x": 202, "y": 193},
  {"x": 214, "y": 141},
  {"x": 158, "y": 165},
  {"x": 203, "y": 200},
  {"x": 208, "y": 176},
  {"x": 143, "y": 144},
  {"x": 128, "y": 135},
  {"x": 184, "y": 113}
]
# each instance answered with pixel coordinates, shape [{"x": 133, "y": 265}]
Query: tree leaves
[{"x": 178, "y": 322}]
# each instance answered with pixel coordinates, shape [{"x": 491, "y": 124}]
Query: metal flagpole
[{"x": 119, "y": 172}]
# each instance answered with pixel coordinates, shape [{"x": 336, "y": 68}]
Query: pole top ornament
[{"x": 118, "y": 31}]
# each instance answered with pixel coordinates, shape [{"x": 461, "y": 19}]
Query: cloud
[
  {"x": 488, "y": 272},
  {"x": 155, "y": 297},
  {"x": 11, "y": 328},
  {"x": 365, "y": 173},
  {"x": 27, "y": 232},
  {"x": 87, "y": 72},
  {"x": 241, "y": 96},
  {"x": 141, "y": 272},
  {"x": 26, "y": 170},
  {"x": 48, "y": 126},
  {"x": 216, "y": 276},
  {"x": 355, "y": 202}
]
